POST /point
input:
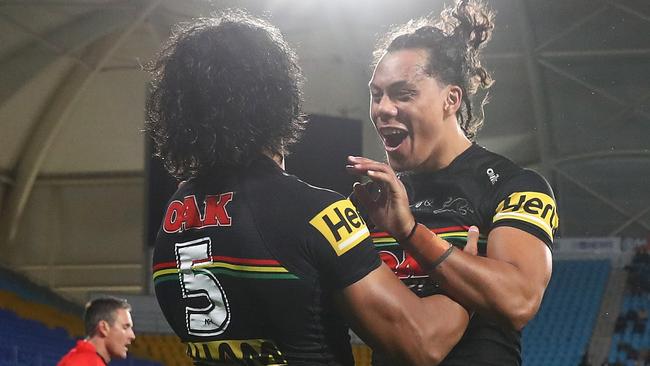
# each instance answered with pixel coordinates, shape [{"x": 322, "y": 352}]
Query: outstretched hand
[{"x": 384, "y": 197}]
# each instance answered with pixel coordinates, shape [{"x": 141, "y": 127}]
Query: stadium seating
[
  {"x": 38, "y": 327},
  {"x": 26, "y": 342},
  {"x": 560, "y": 333},
  {"x": 632, "y": 337},
  {"x": 23, "y": 288}
]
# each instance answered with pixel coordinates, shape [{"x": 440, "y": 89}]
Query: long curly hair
[
  {"x": 224, "y": 90},
  {"x": 453, "y": 42}
]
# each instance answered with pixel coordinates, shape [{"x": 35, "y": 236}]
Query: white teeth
[{"x": 392, "y": 131}]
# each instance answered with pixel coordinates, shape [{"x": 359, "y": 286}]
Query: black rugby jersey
[
  {"x": 478, "y": 188},
  {"x": 245, "y": 265}
]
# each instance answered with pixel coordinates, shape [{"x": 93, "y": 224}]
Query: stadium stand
[
  {"x": 631, "y": 339},
  {"x": 39, "y": 327},
  {"x": 33, "y": 315},
  {"x": 560, "y": 333}
]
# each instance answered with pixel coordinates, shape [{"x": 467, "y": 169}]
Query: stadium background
[{"x": 572, "y": 100}]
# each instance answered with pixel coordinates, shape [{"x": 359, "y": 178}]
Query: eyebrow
[{"x": 395, "y": 85}]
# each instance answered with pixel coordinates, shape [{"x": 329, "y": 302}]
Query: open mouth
[{"x": 393, "y": 137}]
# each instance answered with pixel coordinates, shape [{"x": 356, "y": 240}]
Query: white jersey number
[{"x": 198, "y": 283}]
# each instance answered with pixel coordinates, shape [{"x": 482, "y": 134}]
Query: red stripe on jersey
[
  {"x": 259, "y": 262},
  {"x": 451, "y": 228},
  {"x": 383, "y": 234},
  {"x": 231, "y": 260},
  {"x": 164, "y": 265}
]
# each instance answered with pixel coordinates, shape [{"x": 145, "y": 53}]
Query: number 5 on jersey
[{"x": 199, "y": 285}]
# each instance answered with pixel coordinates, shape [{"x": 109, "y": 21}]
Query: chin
[
  {"x": 398, "y": 166},
  {"x": 120, "y": 356},
  {"x": 395, "y": 164},
  {"x": 402, "y": 162}
]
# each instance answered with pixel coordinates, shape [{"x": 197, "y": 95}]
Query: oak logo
[
  {"x": 341, "y": 225},
  {"x": 183, "y": 215},
  {"x": 535, "y": 208}
]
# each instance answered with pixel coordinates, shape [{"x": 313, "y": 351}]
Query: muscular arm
[
  {"x": 507, "y": 285},
  {"x": 411, "y": 330}
]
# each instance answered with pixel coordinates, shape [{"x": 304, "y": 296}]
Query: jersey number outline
[{"x": 197, "y": 283}]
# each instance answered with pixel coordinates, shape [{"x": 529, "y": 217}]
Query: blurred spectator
[
  {"x": 641, "y": 321},
  {"x": 631, "y": 315},
  {"x": 638, "y": 279},
  {"x": 619, "y": 327}
]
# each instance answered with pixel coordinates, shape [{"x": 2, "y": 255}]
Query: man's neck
[
  {"x": 452, "y": 151},
  {"x": 448, "y": 148},
  {"x": 277, "y": 157},
  {"x": 100, "y": 348}
]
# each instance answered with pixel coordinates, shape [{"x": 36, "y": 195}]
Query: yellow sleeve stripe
[{"x": 527, "y": 218}]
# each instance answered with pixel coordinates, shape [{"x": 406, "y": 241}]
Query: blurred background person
[{"x": 109, "y": 330}]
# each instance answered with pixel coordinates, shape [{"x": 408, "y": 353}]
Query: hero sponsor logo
[
  {"x": 184, "y": 215},
  {"x": 341, "y": 225},
  {"x": 535, "y": 208}
]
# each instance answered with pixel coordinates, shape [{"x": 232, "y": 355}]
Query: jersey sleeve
[
  {"x": 341, "y": 244},
  {"x": 526, "y": 202}
]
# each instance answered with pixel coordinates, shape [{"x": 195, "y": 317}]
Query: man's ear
[
  {"x": 102, "y": 328},
  {"x": 453, "y": 99}
]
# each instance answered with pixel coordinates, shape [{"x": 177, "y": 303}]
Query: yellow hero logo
[
  {"x": 341, "y": 225},
  {"x": 535, "y": 208}
]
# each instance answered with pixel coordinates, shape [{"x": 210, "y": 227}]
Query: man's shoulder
[
  {"x": 81, "y": 359},
  {"x": 300, "y": 196},
  {"x": 491, "y": 164},
  {"x": 83, "y": 354},
  {"x": 497, "y": 173}
]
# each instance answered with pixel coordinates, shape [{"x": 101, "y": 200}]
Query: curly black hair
[
  {"x": 453, "y": 42},
  {"x": 225, "y": 89}
]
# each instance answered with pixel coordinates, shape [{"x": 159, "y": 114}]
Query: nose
[{"x": 385, "y": 109}]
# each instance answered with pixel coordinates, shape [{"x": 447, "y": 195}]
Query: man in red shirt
[{"x": 109, "y": 331}]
